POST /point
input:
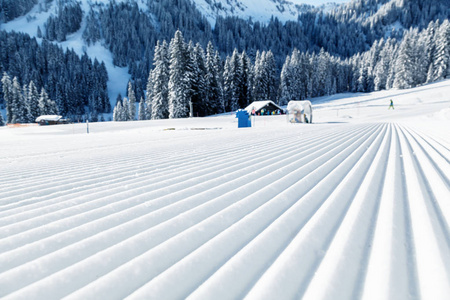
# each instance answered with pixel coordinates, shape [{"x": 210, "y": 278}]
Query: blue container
[{"x": 243, "y": 118}]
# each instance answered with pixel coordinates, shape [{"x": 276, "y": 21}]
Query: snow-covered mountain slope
[
  {"x": 354, "y": 205},
  {"x": 37, "y": 17},
  {"x": 118, "y": 77},
  {"x": 262, "y": 10},
  {"x": 256, "y": 10}
]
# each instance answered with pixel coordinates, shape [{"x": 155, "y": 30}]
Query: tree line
[
  {"x": 187, "y": 79},
  {"x": 76, "y": 84},
  {"x": 131, "y": 33},
  {"x": 25, "y": 104}
]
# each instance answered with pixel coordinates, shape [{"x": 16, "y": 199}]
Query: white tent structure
[{"x": 300, "y": 111}]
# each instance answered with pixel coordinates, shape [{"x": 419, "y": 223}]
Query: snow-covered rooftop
[
  {"x": 257, "y": 105},
  {"x": 48, "y": 118}
]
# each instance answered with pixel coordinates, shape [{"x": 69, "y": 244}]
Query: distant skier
[{"x": 391, "y": 105}]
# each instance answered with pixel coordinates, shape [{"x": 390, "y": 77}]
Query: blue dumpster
[{"x": 243, "y": 118}]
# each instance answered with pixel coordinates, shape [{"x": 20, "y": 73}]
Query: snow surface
[{"x": 355, "y": 205}]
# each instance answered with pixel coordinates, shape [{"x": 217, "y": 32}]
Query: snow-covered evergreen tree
[
  {"x": 149, "y": 96},
  {"x": 117, "y": 113},
  {"x": 132, "y": 102},
  {"x": 158, "y": 83},
  {"x": 381, "y": 70},
  {"x": 323, "y": 71},
  {"x": 245, "y": 92},
  {"x": 19, "y": 113},
  {"x": 405, "y": 63},
  {"x": 265, "y": 81},
  {"x": 7, "y": 96},
  {"x": 232, "y": 77},
  {"x": 430, "y": 47},
  {"x": 125, "y": 111},
  {"x": 441, "y": 60},
  {"x": 179, "y": 84},
  {"x": 142, "y": 114},
  {"x": 219, "y": 71},
  {"x": 52, "y": 107},
  {"x": 26, "y": 106},
  {"x": 285, "y": 82},
  {"x": 46, "y": 105},
  {"x": 198, "y": 81},
  {"x": 43, "y": 100},
  {"x": 213, "y": 91},
  {"x": 271, "y": 73},
  {"x": 260, "y": 80},
  {"x": 363, "y": 79},
  {"x": 2, "y": 121}
]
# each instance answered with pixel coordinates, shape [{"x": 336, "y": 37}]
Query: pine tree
[
  {"x": 271, "y": 73},
  {"x": 285, "y": 82},
  {"x": 132, "y": 102},
  {"x": 382, "y": 67},
  {"x": 219, "y": 71},
  {"x": 430, "y": 48},
  {"x": 117, "y": 114},
  {"x": 213, "y": 91},
  {"x": 17, "y": 103},
  {"x": 43, "y": 103},
  {"x": 245, "y": 96},
  {"x": 149, "y": 96},
  {"x": 142, "y": 114},
  {"x": 179, "y": 87},
  {"x": 405, "y": 63},
  {"x": 232, "y": 77},
  {"x": 119, "y": 99},
  {"x": 2, "y": 121},
  {"x": 198, "y": 83},
  {"x": 7, "y": 96},
  {"x": 441, "y": 60},
  {"x": 26, "y": 105},
  {"x": 52, "y": 107},
  {"x": 260, "y": 83},
  {"x": 158, "y": 83},
  {"x": 362, "y": 80},
  {"x": 323, "y": 73},
  {"x": 125, "y": 112}
]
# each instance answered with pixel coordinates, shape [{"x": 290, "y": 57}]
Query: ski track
[{"x": 357, "y": 211}]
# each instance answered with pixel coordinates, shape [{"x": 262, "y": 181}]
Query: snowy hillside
[
  {"x": 261, "y": 11},
  {"x": 118, "y": 77},
  {"x": 256, "y": 10},
  {"x": 352, "y": 206}
]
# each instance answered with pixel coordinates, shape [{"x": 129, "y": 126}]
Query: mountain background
[{"x": 86, "y": 54}]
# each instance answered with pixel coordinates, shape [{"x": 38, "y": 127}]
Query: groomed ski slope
[{"x": 354, "y": 206}]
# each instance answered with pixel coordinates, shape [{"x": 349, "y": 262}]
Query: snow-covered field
[{"x": 356, "y": 205}]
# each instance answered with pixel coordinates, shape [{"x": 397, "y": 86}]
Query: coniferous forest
[{"x": 177, "y": 59}]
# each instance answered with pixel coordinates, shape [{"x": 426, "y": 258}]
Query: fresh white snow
[{"x": 353, "y": 206}]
